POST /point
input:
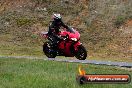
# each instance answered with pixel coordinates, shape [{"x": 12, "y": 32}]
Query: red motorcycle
[{"x": 70, "y": 46}]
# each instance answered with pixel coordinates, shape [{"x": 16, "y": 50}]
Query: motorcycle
[{"x": 70, "y": 46}]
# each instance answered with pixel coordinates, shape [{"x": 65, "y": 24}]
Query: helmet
[{"x": 56, "y": 16}]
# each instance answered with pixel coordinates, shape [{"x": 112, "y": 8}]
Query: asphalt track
[{"x": 97, "y": 62}]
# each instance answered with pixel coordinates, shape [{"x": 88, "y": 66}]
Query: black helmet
[{"x": 56, "y": 17}]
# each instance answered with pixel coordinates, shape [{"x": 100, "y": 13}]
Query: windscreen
[{"x": 71, "y": 30}]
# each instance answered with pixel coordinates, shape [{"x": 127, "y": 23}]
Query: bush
[
  {"x": 120, "y": 21},
  {"x": 23, "y": 21}
]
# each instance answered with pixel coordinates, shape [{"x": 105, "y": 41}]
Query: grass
[
  {"x": 19, "y": 48},
  {"x": 113, "y": 59},
  {"x": 23, "y": 21},
  {"x": 95, "y": 21},
  {"x": 21, "y": 51},
  {"x": 34, "y": 73}
]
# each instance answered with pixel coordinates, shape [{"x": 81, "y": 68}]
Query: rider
[{"x": 54, "y": 27}]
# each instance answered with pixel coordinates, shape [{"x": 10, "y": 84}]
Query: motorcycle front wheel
[
  {"x": 48, "y": 50},
  {"x": 81, "y": 53}
]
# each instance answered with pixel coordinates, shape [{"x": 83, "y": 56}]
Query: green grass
[
  {"x": 20, "y": 51},
  {"x": 27, "y": 73}
]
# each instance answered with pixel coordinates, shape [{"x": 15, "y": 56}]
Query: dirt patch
[{"x": 127, "y": 27}]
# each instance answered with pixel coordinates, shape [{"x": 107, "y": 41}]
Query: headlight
[{"x": 74, "y": 39}]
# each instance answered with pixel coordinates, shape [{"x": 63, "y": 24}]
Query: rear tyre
[
  {"x": 49, "y": 50},
  {"x": 81, "y": 54}
]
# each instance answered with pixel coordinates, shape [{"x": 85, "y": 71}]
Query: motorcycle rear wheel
[
  {"x": 48, "y": 50},
  {"x": 81, "y": 54}
]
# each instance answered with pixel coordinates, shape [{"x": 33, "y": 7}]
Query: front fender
[{"x": 76, "y": 45}]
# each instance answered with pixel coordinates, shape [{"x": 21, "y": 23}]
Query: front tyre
[
  {"x": 81, "y": 53},
  {"x": 48, "y": 50}
]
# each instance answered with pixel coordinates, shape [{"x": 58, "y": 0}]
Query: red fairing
[
  {"x": 71, "y": 35},
  {"x": 64, "y": 33},
  {"x": 76, "y": 45},
  {"x": 61, "y": 45},
  {"x": 66, "y": 45},
  {"x": 76, "y": 35},
  {"x": 67, "y": 50}
]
